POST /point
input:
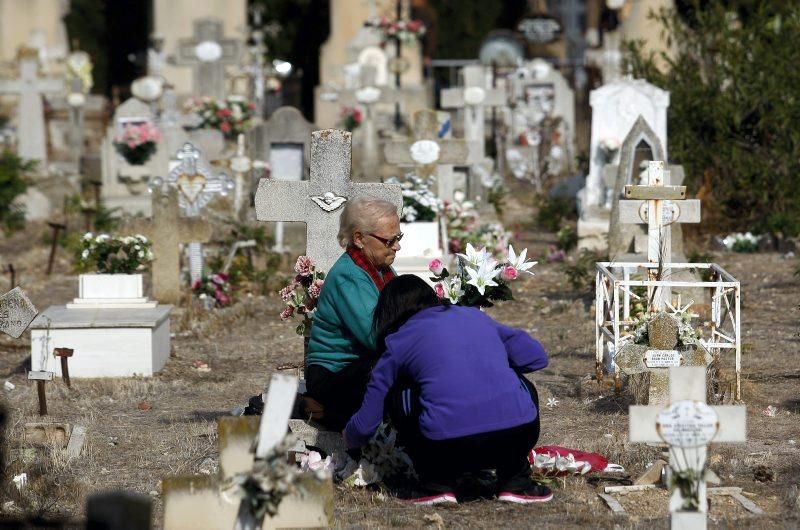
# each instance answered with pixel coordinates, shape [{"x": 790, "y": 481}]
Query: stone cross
[
  {"x": 241, "y": 165},
  {"x": 197, "y": 186},
  {"x": 429, "y": 155},
  {"x": 319, "y": 201},
  {"x": 208, "y": 53},
  {"x": 30, "y": 114},
  {"x": 659, "y": 206},
  {"x": 79, "y": 82},
  {"x": 687, "y": 426},
  {"x": 16, "y": 312},
  {"x": 278, "y": 403},
  {"x": 473, "y": 98},
  {"x": 168, "y": 230},
  {"x": 647, "y": 365}
]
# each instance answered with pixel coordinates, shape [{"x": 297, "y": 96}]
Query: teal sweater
[{"x": 342, "y": 330}]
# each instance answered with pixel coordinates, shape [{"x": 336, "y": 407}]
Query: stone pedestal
[
  {"x": 111, "y": 291},
  {"x": 107, "y": 342}
]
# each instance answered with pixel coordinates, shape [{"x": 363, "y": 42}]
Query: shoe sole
[
  {"x": 445, "y": 498},
  {"x": 516, "y": 498}
]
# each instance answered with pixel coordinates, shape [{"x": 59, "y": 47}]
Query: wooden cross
[
  {"x": 208, "y": 52},
  {"x": 659, "y": 206},
  {"x": 687, "y": 426},
  {"x": 278, "y": 404},
  {"x": 473, "y": 97},
  {"x": 30, "y": 114},
  {"x": 319, "y": 201},
  {"x": 446, "y": 152},
  {"x": 168, "y": 230}
]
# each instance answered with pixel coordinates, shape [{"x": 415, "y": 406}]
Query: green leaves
[{"x": 13, "y": 183}]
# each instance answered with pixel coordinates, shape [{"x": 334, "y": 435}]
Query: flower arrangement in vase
[
  {"x": 463, "y": 228},
  {"x": 231, "y": 116},
  {"x": 136, "y": 143},
  {"x": 420, "y": 204},
  {"x": 213, "y": 290},
  {"x": 350, "y": 118},
  {"x": 479, "y": 279},
  {"x": 105, "y": 254},
  {"x": 408, "y": 31},
  {"x": 302, "y": 293}
]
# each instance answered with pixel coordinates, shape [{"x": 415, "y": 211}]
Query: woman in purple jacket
[{"x": 470, "y": 407}]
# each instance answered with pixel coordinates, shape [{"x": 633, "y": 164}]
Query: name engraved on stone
[
  {"x": 687, "y": 424},
  {"x": 670, "y": 212},
  {"x": 662, "y": 358}
]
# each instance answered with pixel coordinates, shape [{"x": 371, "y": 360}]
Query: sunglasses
[{"x": 389, "y": 242}]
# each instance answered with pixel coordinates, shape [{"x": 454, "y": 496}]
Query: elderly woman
[{"x": 341, "y": 351}]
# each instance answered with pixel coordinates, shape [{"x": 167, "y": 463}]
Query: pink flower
[
  {"x": 316, "y": 289},
  {"x": 225, "y": 127},
  {"x": 436, "y": 267},
  {"x": 196, "y": 285},
  {"x": 508, "y": 273},
  {"x": 287, "y": 293},
  {"x": 222, "y": 298},
  {"x": 287, "y": 312},
  {"x": 304, "y": 266},
  {"x": 455, "y": 246},
  {"x": 439, "y": 288}
]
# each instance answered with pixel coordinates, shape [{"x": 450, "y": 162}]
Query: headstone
[
  {"x": 168, "y": 230},
  {"x": 16, "y": 312},
  {"x": 318, "y": 202},
  {"x": 687, "y": 426},
  {"x": 124, "y": 184},
  {"x": 647, "y": 365},
  {"x": 31, "y": 138},
  {"x": 285, "y": 142},
  {"x": 208, "y": 52},
  {"x": 430, "y": 156}
]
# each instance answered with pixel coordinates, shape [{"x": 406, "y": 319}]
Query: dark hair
[{"x": 401, "y": 299}]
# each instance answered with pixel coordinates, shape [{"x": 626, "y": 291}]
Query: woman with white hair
[{"x": 341, "y": 351}]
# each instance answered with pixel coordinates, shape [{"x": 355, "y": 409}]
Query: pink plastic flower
[
  {"x": 436, "y": 266},
  {"x": 439, "y": 289},
  {"x": 287, "y": 312},
  {"x": 508, "y": 273},
  {"x": 316, "y": 288},
  {"x": 304, "y": 265},
  {"x": 287, "y": 293},
  {"x": 225, "y": 127}
]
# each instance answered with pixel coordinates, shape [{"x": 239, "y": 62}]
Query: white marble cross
[
  {"x": 30, "y": 114},
  {"x": 430, "y": 155},
  {"x": 687, "y": 426},
  {"x": 473, "y": 97},
  {"x": 319, "y": 201},
  {"x": 659, "y": 206},
  {"x": 208, "y": 53}
]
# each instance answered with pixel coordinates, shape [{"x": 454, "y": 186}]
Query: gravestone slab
[
  {"x": 647, "y": 365},
  {"x": 16, "y": 312}
]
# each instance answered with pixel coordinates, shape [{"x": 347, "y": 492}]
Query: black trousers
[
  {"x": 443, "y": 462},
  {"x": 340, "y": 393}
]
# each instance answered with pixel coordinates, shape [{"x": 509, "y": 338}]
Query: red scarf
[{"x": 360, "y": 259}]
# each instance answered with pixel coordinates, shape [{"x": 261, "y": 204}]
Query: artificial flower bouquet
[
  {"x": 462, "y": 228},
  {"x": 480, "y": 279},
  {"x": 213, "y": 290},
  {"x": 407, "y": 31},
  {"x": 419, "y": 202},
  {"x": 302, "y": 294},
  {"x": 105, "y": 254},
  {"x": 745, "y": 243},
  {"x": 231, "y": 116},
  {"x": 350, "y": 118},
  {"x": 137, "y": 142}
]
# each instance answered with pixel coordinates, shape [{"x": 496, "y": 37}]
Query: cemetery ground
[{"x": 140, "y": 430}]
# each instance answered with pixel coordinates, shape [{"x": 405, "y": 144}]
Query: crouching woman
[{"x": 451, "y": 379}]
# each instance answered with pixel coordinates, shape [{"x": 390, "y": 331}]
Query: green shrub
[
  {"x": 13, "y": 183},
  {"x": 580, "y": 272},
  {"x": 552, "y": 211},
  {"x": 567, "y": 238}
]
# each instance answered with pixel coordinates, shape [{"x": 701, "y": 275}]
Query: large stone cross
[
  {"x": 168, "y": 230},
  {"x": 473, "y": 97},
  {"x": 16, "y": 312},
  {"x": 659, "y": 206},
  {"x": 30, "y": 114},
  {"x": 319, "y": 201},
  {"x": 208, "y": 53},
  {"x": 430, "y": 155},
  {"x": 687, "y": 426}
]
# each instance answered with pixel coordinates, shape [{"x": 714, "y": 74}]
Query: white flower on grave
[
  {"x": 518, "y": 262},
  {"x": 141, "y": 254},
  {"x": 76, "y": 99},
  {"x": 409, "y": 214},
  {"x": 237, "y": 113},
  {"x": 424, "y": 152},
  {"x": 459, "y": 196},
  {"x": 475, "y": 257},
  {"x": 453, "y": 290},
  {"x": 365, "y": 475},
  {"x": 552, "y": 402},
  {"x": 474, "y": 95},
  {"x": 87, "y": 236},
  {"x": 368, "y": 95},
  {"x": 483, "y": 277},
  {"x": 102, "y": 238},
  {"x": 85, "y": 254},
  {"x": 556, "y": 152},
  {"x": 203, "y": 296},
  {"x": 208, "y": 51}
]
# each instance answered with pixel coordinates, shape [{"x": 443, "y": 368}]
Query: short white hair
[{"x": 362, "y": 215}]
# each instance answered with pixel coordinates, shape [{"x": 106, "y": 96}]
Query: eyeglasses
[{"x": 389, "y": 242}]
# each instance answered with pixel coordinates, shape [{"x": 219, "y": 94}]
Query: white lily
[
  {"x": 518, "y": 262},
  {"x": 454, "y": 292},
  {"x": 483, "y": 277},
  {"x": 475, "y": 257}
]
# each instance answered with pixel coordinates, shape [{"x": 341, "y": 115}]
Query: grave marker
[
  {"x": 241, "y": 165},
  {"x": 687, "y": 426},
  {"x": 16, "y": 312},
  {"x": 32, "y": 141},
  {"x": 208, "y": 52},
  {"x": 318, "y": 201},
  {"x": 41, "y": 377},
  {"x": 64, "y": 354}
]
